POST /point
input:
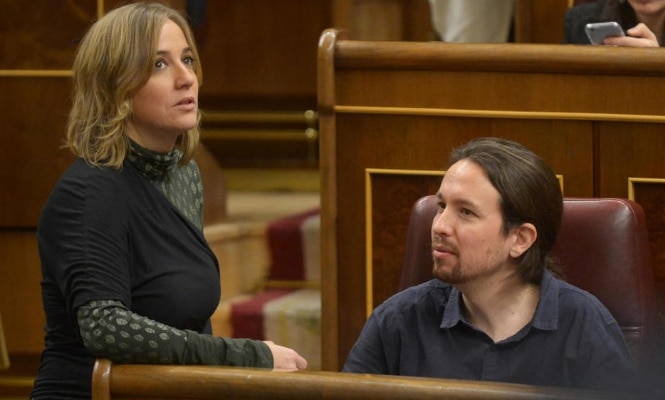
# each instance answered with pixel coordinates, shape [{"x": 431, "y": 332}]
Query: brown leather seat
[{"x": 603, "y": 248}]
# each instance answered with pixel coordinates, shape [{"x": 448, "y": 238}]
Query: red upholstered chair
[{"x": 603, "y": 248}]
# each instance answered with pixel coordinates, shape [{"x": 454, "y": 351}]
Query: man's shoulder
[{"x": 574, "y": 300}]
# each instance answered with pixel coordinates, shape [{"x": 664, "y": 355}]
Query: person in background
[
  {"x": 496, "y": 309},
  {"x": 641, "y": 20},
  {"x": 126, "y": 271},
  {"x": 478, "y": 21}
]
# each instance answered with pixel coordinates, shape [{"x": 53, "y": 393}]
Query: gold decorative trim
[
  {"x": 35, "y": 73},
  {"x": 369, "y": 267},
  {"x": 274, "y": 134},
  {"x": 560, "y": 178},
  {"x": 447, "y": 112},
  {"x": 632, "y": 181},
  {"x": 309, "y": 117}
]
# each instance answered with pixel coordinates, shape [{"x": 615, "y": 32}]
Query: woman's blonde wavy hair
[{"x": 114, "y": 60}]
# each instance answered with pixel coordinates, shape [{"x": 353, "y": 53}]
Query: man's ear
[{"x": 525, "y": 236}]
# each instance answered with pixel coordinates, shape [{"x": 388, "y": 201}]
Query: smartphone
[{"x": 597, "y": 32}]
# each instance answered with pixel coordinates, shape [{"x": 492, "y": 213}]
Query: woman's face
[
  {"x": 167, "y": 105},
  {"x": 648, "y": 7}
]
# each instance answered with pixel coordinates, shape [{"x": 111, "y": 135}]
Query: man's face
[{"x": 468, "y": 242}]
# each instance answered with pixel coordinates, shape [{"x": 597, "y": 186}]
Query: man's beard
[{"x": 446, "y": 274}]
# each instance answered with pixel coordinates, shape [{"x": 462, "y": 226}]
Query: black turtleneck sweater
[{"x": 128, "y": 275}]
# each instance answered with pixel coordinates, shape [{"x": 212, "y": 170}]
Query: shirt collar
[
  {"x": 547, "y": 312},
  {"x": 546, "y": 316}
]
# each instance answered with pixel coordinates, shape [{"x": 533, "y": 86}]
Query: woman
[
  {"x": 127, "y": 273},
  {"x": 642, "y": 20}
]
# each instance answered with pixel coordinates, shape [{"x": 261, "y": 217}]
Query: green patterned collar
[{"x": 155, "y": 166}]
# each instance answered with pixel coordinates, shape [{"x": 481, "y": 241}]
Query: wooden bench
[{"x": 143, "y": 382}]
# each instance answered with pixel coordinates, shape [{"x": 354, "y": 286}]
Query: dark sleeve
[
  {"x": 83, "y": 236},
  {"x": 602, "y": 359},
  {"x": 610, "y": 366},
  {"x": 109, "y": 330},
  {"x": 575, "y": 20}
]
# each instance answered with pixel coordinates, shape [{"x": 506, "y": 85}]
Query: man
[{"x": 496, "y": 311}]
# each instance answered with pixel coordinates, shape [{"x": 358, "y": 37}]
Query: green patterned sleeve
[{"x": 110, "y": 330}]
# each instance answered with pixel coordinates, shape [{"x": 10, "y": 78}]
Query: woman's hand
[
  {"x": 285, "y": 359},
  {"x": 638, "y": 36}
]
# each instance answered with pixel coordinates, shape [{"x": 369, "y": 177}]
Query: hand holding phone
[{"x": 597, "y": 32}]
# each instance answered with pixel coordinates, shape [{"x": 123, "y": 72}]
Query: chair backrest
[{"x": 602, "y": 247}]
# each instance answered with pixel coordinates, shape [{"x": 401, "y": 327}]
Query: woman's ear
[{"x": 525, "y": 236}]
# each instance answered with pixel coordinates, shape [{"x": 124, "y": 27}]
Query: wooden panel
[
  {"x": 629, "y": 150},
  {"x": 20, "y": 303},
  {"x": 261, "y": 53},
  {"x": 389, "y": 196},
  {"x": 408, "y": 20},
  {"x": 540, "y": 21},
  {"x": 32, "y": 159},
  {"x": 487, "y": 76},
  {"x": 38, "y": 40},
  {"x": 651, "y": 196},
  {"x": 4, "y": 358},
  {"x": 634, "y": 152}
]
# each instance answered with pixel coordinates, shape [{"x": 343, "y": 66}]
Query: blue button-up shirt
[{"x": 572, "y": 341}]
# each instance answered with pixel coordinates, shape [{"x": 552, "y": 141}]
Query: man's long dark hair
[{"x": 530, "y": 193}]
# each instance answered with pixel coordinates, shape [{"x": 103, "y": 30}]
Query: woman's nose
[{"x": 185, "y": 76}]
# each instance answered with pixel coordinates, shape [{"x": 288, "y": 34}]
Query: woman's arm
[{"x": 108, "y": 329}]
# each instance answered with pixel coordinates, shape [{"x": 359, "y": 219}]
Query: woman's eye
[
  {"x": 188, "y": 60},
  {"x": 159, "y": 64}
]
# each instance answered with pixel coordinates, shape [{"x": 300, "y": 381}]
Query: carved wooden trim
[
  {"x": 370, "y": 173},
  {"x": 447, "y": 112}
]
